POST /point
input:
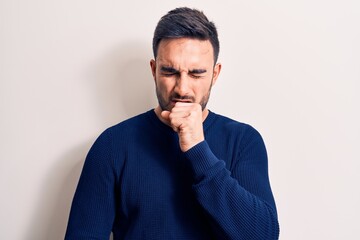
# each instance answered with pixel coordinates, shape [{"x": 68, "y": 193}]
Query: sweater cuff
[{"x": 201, "y": 158}]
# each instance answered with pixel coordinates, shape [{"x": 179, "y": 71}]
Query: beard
[{"x": 167, "y": 104}]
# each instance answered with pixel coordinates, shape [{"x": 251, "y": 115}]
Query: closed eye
[
  {"x": 197, "y": 73},
  {"x": 196, "y": 76},
  {"x": 168, "y": 71},
  {"x": 165, "y": 74}
]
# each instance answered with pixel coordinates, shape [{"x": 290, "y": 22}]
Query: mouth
[{"x": 181, "y": 100}]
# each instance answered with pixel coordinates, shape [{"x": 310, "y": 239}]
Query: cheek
[
  {"x": 163, "y": 85},
  {"x": 202, "y": 88}
]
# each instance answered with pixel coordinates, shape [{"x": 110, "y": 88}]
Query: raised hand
[{"x": 186, "y": 119}]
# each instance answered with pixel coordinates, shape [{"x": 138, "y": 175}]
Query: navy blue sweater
[{"x": 138, "y": 184}]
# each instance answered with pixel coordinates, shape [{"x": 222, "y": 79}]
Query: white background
[{"x": 70, "y": 69}]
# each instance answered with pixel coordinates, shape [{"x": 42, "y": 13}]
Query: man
[{"x": 179, "y": 171}]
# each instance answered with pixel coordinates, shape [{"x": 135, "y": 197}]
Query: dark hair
[{"x": 188, "y": 23}]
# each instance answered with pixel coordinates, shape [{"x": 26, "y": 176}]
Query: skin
[{"x": 184, "y": 73}]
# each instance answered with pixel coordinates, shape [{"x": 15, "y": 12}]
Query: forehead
[{"x": 185, "y": 50}]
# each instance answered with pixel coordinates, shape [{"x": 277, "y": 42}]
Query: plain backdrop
[{"x": 70, "y": 69}]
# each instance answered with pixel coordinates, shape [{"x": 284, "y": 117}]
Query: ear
[
  {"x": 216, "y": 73},
  {"x": 153, "y": 68}
]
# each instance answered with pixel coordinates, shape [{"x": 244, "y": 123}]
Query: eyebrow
[
  {"x": 197, "y": 71},
  {"x": 173, "y": 70},
  {"x": 168, "y": 69}
]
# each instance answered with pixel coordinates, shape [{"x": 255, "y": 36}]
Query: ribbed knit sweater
[{"x": 138, "y": 184}]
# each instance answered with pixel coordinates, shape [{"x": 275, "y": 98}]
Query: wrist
[{"x": 201, "y": 158}]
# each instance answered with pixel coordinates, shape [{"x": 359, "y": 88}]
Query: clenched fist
[{"x": 186, "y": 119}]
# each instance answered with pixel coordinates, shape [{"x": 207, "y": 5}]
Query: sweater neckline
[{"x": 158, "y": 123}]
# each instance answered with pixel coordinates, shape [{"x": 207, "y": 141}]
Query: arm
[
  {"x": 239, "y": 203},
  {"x": 93, "y": 207}
]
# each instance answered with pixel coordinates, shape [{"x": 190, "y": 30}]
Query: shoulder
[
  {"x": 129, "y": 125},
  {"x": 231, "y": 126},
  {"x": 125, "y": 130},
  {"x": 243, "y": 135}
]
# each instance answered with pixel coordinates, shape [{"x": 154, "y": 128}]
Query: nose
[{"x": 182, "y": 84}]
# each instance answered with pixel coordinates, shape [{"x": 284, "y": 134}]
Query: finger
[
  {"x": 183, "y": 104},
  {"x": 180, "y": 109},
  {"x": 179, "y": 114},
  {"x": 180, "y": 106}
]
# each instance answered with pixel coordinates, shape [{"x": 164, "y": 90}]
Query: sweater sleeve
[
  {"x": 93, "y": 207},
  {"x": 239, "y": 203}
]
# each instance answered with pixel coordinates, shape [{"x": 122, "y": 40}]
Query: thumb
[{"x": 165, "y": 114}]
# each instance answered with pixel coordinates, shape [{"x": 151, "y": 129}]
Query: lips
[{"x": 182, "y": 100}]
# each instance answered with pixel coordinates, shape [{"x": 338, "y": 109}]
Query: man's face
[{"x": 184, "y": 72}]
